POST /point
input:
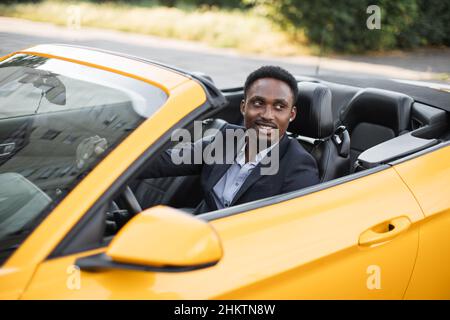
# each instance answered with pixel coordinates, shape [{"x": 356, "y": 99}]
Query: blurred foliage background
[
  {"x": 286, "y": 26},
  {"x": 341, "y": 25}
]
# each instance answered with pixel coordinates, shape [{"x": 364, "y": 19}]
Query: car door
[
  {"x": 331, "y": 244},
  {"x": 428, "y": 177},
  {"x": 326, "y": 242}
]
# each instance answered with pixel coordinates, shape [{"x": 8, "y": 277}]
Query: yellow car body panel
[
  {"x": 13, "y": 280},
  {"x": 315, "y": 238},
  {"x": 428, "y": 177},
  {"x": 155, "y": 75}
]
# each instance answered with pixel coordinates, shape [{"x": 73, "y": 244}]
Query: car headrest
[
  {"x": 314, "y": 113},
  {"x": 381, "y": 107}
]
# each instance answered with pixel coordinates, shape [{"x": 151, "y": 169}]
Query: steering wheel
[
  {"x": 116, "y": 217},
  {"x": 131, "y": 201}
]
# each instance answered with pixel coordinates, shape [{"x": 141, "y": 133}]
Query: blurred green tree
[
  {"x": 341, "y": 25},
  {"x": 18, "y": 1},
  {"x": 433, "y": 25},
  {"x": 216, "y": 3}
]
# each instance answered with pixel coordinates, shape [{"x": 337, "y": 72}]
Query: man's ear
[
  {"x": 242, "y": 106},
  {"x": 293, "y": 113}
]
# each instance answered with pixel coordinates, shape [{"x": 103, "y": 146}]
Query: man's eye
[
  {"x": 280, "y": 106},
  {"x": 258, "y": 103}
]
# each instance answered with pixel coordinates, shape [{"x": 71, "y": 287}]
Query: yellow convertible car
[{"x": 78, "y": 125}]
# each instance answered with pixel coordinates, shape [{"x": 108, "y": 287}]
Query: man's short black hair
[{"x": 273, "y": 72}]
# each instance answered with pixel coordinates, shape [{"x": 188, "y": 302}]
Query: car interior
[{"x": 347, "y": 129}]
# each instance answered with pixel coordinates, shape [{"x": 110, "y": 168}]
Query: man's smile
[{"x": 265, "y": 127}]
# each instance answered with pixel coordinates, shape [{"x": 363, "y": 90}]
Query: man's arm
[
  {"x": 180, "y": 161},
  {"x": 303, "y": 174}
]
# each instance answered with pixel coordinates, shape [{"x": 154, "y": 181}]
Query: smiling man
[{"x": 268, "y": 106}]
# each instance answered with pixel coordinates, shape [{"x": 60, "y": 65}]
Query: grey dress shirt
[{"x": 233, "y": 179}]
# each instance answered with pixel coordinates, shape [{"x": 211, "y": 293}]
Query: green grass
[{"x": 246, "y": 31}]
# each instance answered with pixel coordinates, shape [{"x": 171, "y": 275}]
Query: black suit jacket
[{"x": 297, "y": 170}]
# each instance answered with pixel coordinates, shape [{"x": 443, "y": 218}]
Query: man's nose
[{"x": 267, "y": 113}]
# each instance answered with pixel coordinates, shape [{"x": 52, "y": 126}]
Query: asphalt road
[{"x": 226, "y": 67}]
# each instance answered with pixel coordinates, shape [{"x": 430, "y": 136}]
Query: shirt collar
[{"x": 240, "y": 158}]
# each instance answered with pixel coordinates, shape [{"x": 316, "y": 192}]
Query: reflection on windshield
[{"x": 57, "y": 121}]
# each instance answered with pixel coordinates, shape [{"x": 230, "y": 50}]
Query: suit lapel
[
  {"x": 217, "y": 172},
  {"x": 255, "y": 175},
  {"x": 251, "y": 179}
]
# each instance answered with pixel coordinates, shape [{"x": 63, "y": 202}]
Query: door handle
[{"x": 384, "y": 231}]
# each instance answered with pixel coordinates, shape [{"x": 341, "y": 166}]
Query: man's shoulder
[
  {"x": 300, "y": 167},
  {"x": 294, "y": 147},
  {"x": 296, "y": 152}
]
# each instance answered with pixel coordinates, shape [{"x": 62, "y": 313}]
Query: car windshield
[{"x": 57, "y": 120}]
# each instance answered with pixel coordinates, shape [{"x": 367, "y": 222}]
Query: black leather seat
[
  {"x": 374, "y": 116},
  {"x": 314, "y": 128}
]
